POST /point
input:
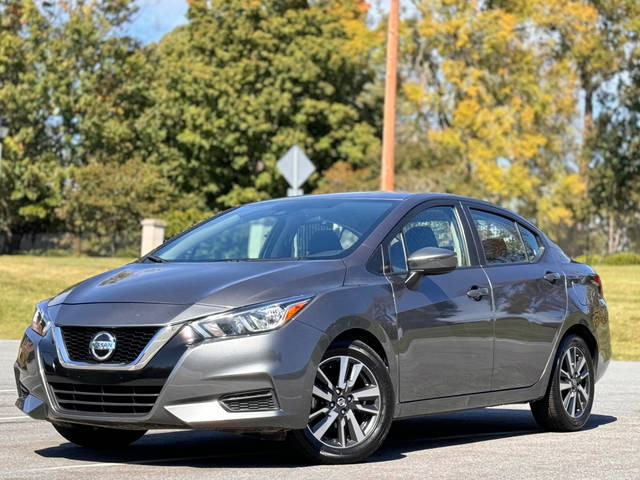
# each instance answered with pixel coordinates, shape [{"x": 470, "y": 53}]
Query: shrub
[
  {"x": 592, "y": 259},
  {"x": 620, "y": 258},
  {"x": 128, "y": 252},
  {"x": 44, "y": 252},
  {"x": 623, "y": 258},
  {"x": 179, "y": 220}
]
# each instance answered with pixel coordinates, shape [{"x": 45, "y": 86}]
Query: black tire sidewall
[{"x": 318, "y": 451}]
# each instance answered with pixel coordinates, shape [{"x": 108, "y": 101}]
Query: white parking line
[
  {"x": 9, "y": 390},
  {"x": 138, "y": 462},
  {"x": 15, "y": 418}
]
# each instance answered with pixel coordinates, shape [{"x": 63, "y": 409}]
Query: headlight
[
  {"x": 39, "y": 322},
  {"x": 254, "y": 319}
]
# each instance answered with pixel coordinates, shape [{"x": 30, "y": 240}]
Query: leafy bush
[
  {"x": 128, "y": 252},
  {"x": 47, "y": 252},
  {"x": 180, "y": 220},
  {"x": 592, "y": 259},
  {"x": 621, "y": 258}
]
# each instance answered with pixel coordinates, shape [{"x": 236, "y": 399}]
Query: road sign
[
  {"x": 295, "y": 167},
  {"x": 294, "y": 192}
]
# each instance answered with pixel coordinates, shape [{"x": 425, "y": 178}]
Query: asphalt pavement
[{"x": 502, "y": 442}]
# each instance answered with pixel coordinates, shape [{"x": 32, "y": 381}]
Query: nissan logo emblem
[{"x": 102, "y": 346}]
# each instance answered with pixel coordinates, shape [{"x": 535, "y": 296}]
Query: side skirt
[{"x": 467, "y": 402}]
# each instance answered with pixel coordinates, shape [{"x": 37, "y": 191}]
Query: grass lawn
[
  {"x": 621, "y": 286},
  {"x": 25, "y": 280}
]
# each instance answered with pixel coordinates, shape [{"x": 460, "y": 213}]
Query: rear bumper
[
  {"x": 194, "y": 383},
  {"x": 603, "y": 337}
]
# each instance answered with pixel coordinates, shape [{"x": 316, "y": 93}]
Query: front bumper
[{"x": 194, "y": 382}]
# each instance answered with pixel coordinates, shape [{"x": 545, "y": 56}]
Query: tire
[
  {"x": 98, "y": 437},
  {"x": 358, "y": 419},
  {"x": 564, "y": 407}
]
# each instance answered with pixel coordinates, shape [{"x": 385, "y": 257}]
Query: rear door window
[
  {"x": 532, "y": 244},
  {"x": 499, "y": 238}
]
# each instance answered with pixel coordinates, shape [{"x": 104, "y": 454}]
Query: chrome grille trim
[{"x": 156, "y": 343}]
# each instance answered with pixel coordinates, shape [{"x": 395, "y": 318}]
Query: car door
[
  {"x": 446, "y": 332},
  {"x": 529, "y": 297}
]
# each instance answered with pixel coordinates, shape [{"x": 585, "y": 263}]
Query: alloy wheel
[
  {"x": 345, "y": 407},
  {"x": 574, "y": 382}
]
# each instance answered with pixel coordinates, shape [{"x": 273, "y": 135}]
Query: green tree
[
  {"x": 72, "y": 88},
  {"x": 106, "y": 201},
  {"x": 615, "y": 169},
  {"x": 31, "y": 178},
  {"x": 100, "y": 82},
  {"x": 245, "y": 80}
]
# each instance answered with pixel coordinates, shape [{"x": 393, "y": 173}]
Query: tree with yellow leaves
[
  {"x": 500, "y": 98},
  {"x": 492, "y": 103}
]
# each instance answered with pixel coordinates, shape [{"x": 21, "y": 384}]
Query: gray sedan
[{"x": 320, "y": 320}]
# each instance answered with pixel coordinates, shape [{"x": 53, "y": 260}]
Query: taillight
[{"x": 596, "y": 279}]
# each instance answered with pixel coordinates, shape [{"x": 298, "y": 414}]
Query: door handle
[
  {"x": 552, "y": 277},
  {"x": 478, "y": 292}
]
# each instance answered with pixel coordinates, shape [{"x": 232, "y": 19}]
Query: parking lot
[{"x": 499, "y": 442}]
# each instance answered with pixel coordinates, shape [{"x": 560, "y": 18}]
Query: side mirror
[{"x": 429, "y": 261}]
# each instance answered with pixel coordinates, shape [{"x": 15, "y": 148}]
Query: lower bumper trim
[
  {"x": 32, "y": 406},
  {"x": 212, "y": 412}
]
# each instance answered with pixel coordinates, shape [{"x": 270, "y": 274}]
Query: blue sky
[{"x": 157, "y": 17}]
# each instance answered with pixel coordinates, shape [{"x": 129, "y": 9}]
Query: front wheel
[
  {"x": 98, "y": 437},
  {"x": 567, "y": 403},
  {"x": 351, "y": 406}
]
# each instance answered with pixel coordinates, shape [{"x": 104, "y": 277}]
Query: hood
[{"x": 221, "y": 284}]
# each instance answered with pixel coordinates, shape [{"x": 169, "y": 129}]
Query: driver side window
[{"x": 434, "y": 227}]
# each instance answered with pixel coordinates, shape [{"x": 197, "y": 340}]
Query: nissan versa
[{"x": 321, "y": 319}]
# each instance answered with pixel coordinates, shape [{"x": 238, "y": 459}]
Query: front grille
[
  {"x": 130, "y": 341},
  {"x": 117, "y": 399},
  {"x": 256, "y": 401}
]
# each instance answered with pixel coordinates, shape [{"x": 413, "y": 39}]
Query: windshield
[{"x": 311, "y": 228}]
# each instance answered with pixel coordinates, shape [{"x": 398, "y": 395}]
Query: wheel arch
[
  {"x": 583, "y": 332},
  {"x": 364, "y": 336},
  {"x": 370, "y": 334}
]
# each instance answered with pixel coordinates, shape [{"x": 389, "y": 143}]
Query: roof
[
  {"x": 379, "y": 195},
  {"x": 414, "y": 198},
  {"x": 350, "y": 195}
]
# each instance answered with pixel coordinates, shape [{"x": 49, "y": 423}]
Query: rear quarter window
[{"x": 499, "y": 238}]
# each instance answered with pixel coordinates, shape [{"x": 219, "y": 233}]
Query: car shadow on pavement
[{"x": 205, "y": 448}]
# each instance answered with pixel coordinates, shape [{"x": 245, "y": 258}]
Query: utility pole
[{"x": 390, "y": 85}]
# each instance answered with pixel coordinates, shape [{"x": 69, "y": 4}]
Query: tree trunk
[
  {"x": 77, "y": 244},
  {"x": 615, "y": 235}
]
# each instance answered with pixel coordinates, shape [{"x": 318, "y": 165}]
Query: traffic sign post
[{"x": 295, "y": 167}]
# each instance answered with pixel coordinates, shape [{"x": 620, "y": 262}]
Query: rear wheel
[
  {"x": 98, "y": 437},
  {"x": 569, "y": 398},
  {"x": 351, "y": 408}
]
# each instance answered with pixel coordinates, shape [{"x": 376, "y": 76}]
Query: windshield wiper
[{"x": 155, "y": 259}]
